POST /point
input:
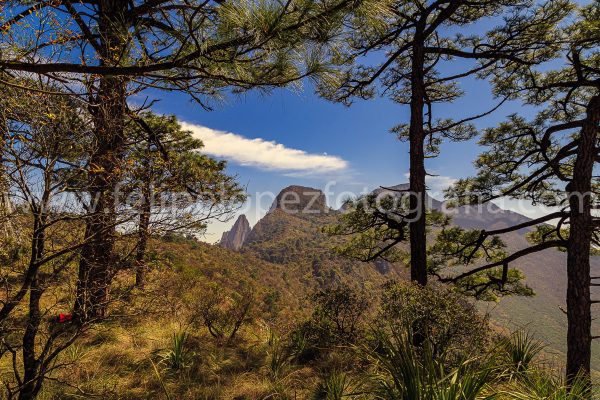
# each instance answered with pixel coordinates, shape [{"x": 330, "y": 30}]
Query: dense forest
[{"x": 108, "y": 291}]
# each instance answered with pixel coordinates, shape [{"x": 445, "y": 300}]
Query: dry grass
[{"x": 121, "y": 358}]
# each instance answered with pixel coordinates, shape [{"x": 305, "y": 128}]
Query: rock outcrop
[
  {"x": 234, "y": 239},
  {"x": 300, "y": 200}
]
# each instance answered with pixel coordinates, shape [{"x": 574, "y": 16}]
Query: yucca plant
[
  {"x": 544, "y": 385},
  {"x": 279, "y": 370},
  {"x": 279, "y": 358},
  {"x": 520, "y": 349},
  {"x": 177, "y": 357},
  {"x": 401, "y": 372},
  {"x": 335, "y": 386}
]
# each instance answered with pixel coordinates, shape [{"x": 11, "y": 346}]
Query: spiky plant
[
  {"x": 543, "y": 385},
  {"x": 335, "y": 386},
  {"x": 520, "y": 349},
  {"x": 401, "y": 372},
  {"x": 278, "y": 358},
  {"x": 279, "y": 369},
  {"x": 178, "y": 356}
]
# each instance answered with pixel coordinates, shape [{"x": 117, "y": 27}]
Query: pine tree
[
  {"x": 414, "y": 43},
  {"x": 171, "y": 185},
  {"x": 551, "y": 160},
  {"x": 107, "y": 50}
]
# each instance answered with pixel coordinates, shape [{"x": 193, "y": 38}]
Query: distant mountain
[
  {"x": 291, "y": 234},
  {"x": 234, "y": 239},
  {"x": 488, "y": 216},
  {"x": 294, "y": 239}
]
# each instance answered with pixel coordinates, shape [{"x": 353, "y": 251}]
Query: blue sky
[
  {"x": 356, "y": 137},
  {"x": 292, "y": 136}
]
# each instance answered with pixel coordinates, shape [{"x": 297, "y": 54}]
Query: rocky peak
[
  {"x": 300, "y": 200},
  {"x": 234, "y": 239}
]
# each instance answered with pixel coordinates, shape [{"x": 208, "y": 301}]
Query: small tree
[
  {"x": 224, "y": 313},
  {"x": 340, "y": 311},
  {"x": 338, "y": 319},
  {"x": 41, "y": 147},
  {"x": 450, "y": 324},
  {"x": 172, "y": 185}
]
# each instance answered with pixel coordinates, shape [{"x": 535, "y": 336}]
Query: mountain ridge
[{"x": 296, "y": 240}]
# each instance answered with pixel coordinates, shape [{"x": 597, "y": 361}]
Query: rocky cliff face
[
  {"x": 300, "y": 200},
  {"x": 295, "y": 208},
  {"x": 234, "y": 239},
  {"x": 291, "y": 234}
]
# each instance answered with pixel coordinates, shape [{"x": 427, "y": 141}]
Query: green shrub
[
  {"x": 337, "y": 320},
  {"x": 224, "y": 312},
  {"x": 452, "y": 325}
]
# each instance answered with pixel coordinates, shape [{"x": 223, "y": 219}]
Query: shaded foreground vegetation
[
  {"x": 214, "y": 324},
  {"x": 69, "y": 131}
]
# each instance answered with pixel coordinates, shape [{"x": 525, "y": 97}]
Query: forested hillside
[
  {"x": 132, "y": 130},
  {"x": 296, "y": 240}
]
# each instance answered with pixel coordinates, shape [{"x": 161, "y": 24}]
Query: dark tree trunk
[
  {"x": 31, "y": 376},
  {"x": 143, "y": 235},
  {"x": 32, "y": 379},
  {"x": 579, "y": 336},
  {"x": 98, "y": 262},
  {"x": 418, "y": 240}
]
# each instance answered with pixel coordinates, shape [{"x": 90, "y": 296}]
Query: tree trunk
[
  {"x": 32, "y": 381},
  {"x": 418, "y": 239},
  {"x": 31, "y": 377},
  {"x": 579, "y": 336},
  {"x": 98, "y": 262}
]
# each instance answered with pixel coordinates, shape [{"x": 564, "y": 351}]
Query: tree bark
[
  {"x": 417, "y": 228},
  {"x": 32, "y": 381},
  {"x": 98, "y": 262},
  {"x": 31, "y": 377},
  {"x": 579, "y": 336}
]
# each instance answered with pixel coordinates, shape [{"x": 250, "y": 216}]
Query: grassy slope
[
  {"x": 296, "y": 241},
  {"x": 121, "y": 359},
  {"x": 287, "y": 255}
]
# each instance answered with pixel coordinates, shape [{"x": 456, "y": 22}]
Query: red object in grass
[{"x": 62, "y": 318}]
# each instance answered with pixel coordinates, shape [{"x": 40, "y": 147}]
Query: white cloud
[
  {"x": 263, "y": 154},
  {"x": 437, "y": 184}
]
